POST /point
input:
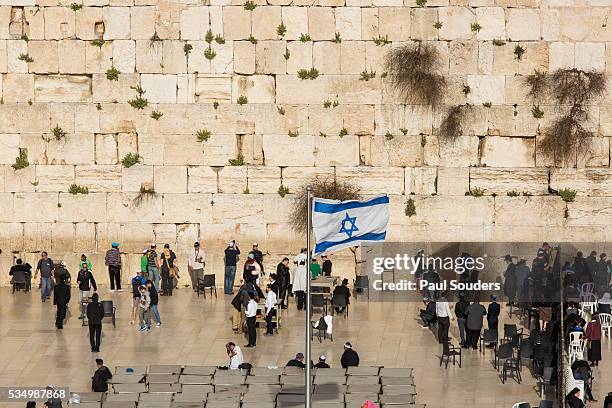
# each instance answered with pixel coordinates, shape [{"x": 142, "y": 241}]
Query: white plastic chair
[
  {"x": 606, "y": 323},
  {"x": 576, "y": 350},
  {"x": 576, "y": 336}
]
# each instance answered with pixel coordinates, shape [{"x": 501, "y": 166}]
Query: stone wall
[{"x": 54, "y": 62}]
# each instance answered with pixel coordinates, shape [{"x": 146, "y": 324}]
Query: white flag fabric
[{"x": 342, "y": 224}]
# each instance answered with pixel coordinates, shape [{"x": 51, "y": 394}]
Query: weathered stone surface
[
  {"x": 82, "y": 207},
  {"x": 170, "y": 179},
  {"x": 35, "y": 207},
  {"x": 99, "y": 178},
  {"x": 453, "y": 181},
  {"x": 523, "y": 24},
  {"x": 337, "y": 151},
  {"x": 420, "y": 180},
  {"x": 263, "y": 179},
  {"x": 492, "y": 22},
  {"x": 18, "y": 87},
  {"x": 211, "y": 88},
  {"x": 588, "y": 182},
  {"x": 231, "y": 179},
  {"x": 374, "y": 180},
  {"x": 237, "y": 208},
  {"x": 183, "y": 208},
  {"x": 54, "y": 178},
  {"x": 257, "y": 88},
  {"x": 455, "y": 22},
  {"x": 62, "y": 88},
  {"x": 282, "y": 150},
  {"x": 133, "y": 178},
  {"x": 529, "y": 211},
  {"x": 125, "y": 208},
  {"x": 159, "y": 88},
  {"x": 589, "y": 211},
  {"x": 295, "y": 178},
  {"x": 501, "y": 181}
]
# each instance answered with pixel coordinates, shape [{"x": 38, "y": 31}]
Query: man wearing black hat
[
  {"x": 342, "y": 290},
  {"x": 61, "y": 297},
  {"x": 602, "y": 276},
  {"x": 349, "y": 358}
]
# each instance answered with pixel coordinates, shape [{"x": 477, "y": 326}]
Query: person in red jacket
[{"x": 593, "y": 335}]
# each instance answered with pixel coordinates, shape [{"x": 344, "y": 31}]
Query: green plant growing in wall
[
  {"x": 215, "y": 105},
  {"x": 252, "y": 39},
  {"x": 423, "y": 140},
  {"x": 410, "y": 209},
  {"x": 343, "y": 132},
  {"x": 283, "y": 191},
  {"x": 537, "y": 112},
  {"x": 209, "y": 53},
  {"x": 389, "y": 136},
  {"x": 242, "y": 100},
  {"x": 335, "y": 103},
  {"x": 77, "y": 189},
  {"x": 280, "y": 110},
  {"x": 366, "y": 76},
  {"x": 420, "y": 3},
  {"x": 466, "y": 90},
  {"x": 475, "y": 192},
  {"x": 139, "y": 102},
  {"x": 518, "y": 52},
  {"x": 97, "y": 42},
  {"x": 203, "y": 135},
  {"x": 381, "y": 40},
  {"x": 58, "y": 133},
  {"x": 476, "y": 27},
  {"x": 513, "y": 193},
  {"x": 156, "y": 115},
  {"x": 249, "y": 5},
  {"x": 281, "y": 30},
  {"x": 209, "y": 36},
  {"x": 327, "y": 104},
  {"x": 437, "y": 25},
  {"x": 187, "y": 49},
  {"x": 99, "y": 106},
  {"x": 146, "y": 192},
  {"x": 76, "y": 6},
  {"x": 112, "y": 74},
  {"x": 238, "y": 161},
  {"x": 21, "y": 161},
  {"x": 293, "y": 133},
  {"x": 498, "y": 43},
  {"x": 337, "y": 38},
  {"x": 219, "y": 39},
  {"x": 25, "y": 37},
  {"x": 305, "y": 38},
  {"x": 130, "y": 159},
  {"x": 287, "y": 54},
  {"x": 321, "y": 134},
  {"x": 568, "y": 195},
  {"x": 311, "y": 73},
  {"x": 404, "y": 131},
  {"x": 487, "y": 104},
  {"x": 25, "y": 58}
]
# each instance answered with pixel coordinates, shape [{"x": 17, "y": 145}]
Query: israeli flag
[{"x": 343, "y": 224}]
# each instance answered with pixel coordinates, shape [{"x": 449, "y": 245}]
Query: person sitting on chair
[
  {"x": 428, "y": 315},
  {"x": 27, "y": 270},
  {"x": 298, "y": 361},
  {"x": 342, "y": 290},
  {"x": 322, "y": 363},
  {"x": 349, "y": 358}
]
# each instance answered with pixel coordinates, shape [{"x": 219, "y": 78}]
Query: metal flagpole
[{"x": 308, "y": 304}]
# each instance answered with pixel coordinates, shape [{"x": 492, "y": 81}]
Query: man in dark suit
[
  {"x": 349, "y": 358},
  {"x": 342, "y": 290},
  {"x": 493, "y": 316},
  {"x": 61, "y": 297}
]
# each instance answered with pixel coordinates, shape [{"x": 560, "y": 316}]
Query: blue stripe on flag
[
  {"x": 328, "y": 208},
  {"x": 370, "y": 236}
]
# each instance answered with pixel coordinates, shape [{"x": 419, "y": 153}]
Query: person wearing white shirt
[
  {"x": 270, "y": 310},
  {"x": 196, "y": 265},
  {"x": 300, "y": 281},
  {"x": 444, "y": 315},
  {"x": 251, "y": 315},
  {"x": 235, "y": 354}
]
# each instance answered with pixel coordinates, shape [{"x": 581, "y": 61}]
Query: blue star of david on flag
[
  {"x": 334, "y": 228},
  {"x": 353, "y": 227}
]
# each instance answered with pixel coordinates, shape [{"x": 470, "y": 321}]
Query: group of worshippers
[
  {"x": 469, "y": 318},
  {"x": 349, "y": 358}
]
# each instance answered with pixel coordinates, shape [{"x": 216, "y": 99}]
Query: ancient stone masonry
[{"x": 221, "y": 102}]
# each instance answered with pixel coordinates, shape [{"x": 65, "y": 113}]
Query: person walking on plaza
[
  {"x": 270, "y": 310},
  {"x": 283, "y": 277},
  {"x": 86, "y": 281},
  {"x": 461, "y": 315},
  {"x": 251, "y": 316},
  {"x": 231, "y": 259},
  {"x": 95, "y": 314},
  {"x": 99, "y": 381},
  {"x": 113, "y": 261},
  {"x": 144, "y": 314},
  {"x": 167, "y": 270},
  {"x": 475, "y": 315},
  {"x": 197, "y": 261},
  {"x": 443, "y": 313},
  {"x": 154, "y": 302},
  {"x": 137, "y": 282},
  {"x": 349, "y": 358},
  {"x": 327, "y": 265},
  {"x": 61, "y": 298},
  {"x": 45, "y": 267},
  {"x": 153, "y": 265},
  {"x": 593, "y": 335}
]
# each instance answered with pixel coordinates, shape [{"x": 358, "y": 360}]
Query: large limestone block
[
  {"x": 40, "y": 236},
  {"x": 83, "y": 207},
  {"x": 86, "y": 19},
  {"x": 589, "y": 211},
  {"x": 106, "y": 149},
  {"x": 529, "y": 211},
  {"x": 194, "y": 23},
  {"x": 170, "y": 179},
  {"x": 124, "y": 56},
  {"x": 14, "y": 49},
  {"x": 149, "y": 56},
  {"x": 394, "y": 23},
  {"x": 337, "y": 151},
  {"x": 295, "y": 20},
  {"x": 223, "y": 63},
  {"x": 283, "y": 150},
  {"x": 35, "y": 207},
  {"x": 263, "y": 179},
  {"x": 269, "y": 57},
  {"x": 535, "y": 58},
  {"x": 184, "y": 208},
  {"x": 219, "y": 149},
  {"x": 11, "y": 234},
  {"x": 422, "y": 24},
  {"x": 369, "y": 23},
  {"x": 237, "y": 208},
  {"x": 348, "y": 90},
  {"x": 588, "y": 182},
  {"x": 326, "y": 57},
  {"x": 590, "y": 56},
  {"x": 352, "y": 57},
  {"x": 523, "y": 24},
  {"x": 62, "y": 88},
  {"x": 503, "y": 180},
  {"x": 3, "y": 56},
  {"x": 456, "y": 23},
  {"x": 348, "y": 22},
  {"x": 278, "y": 209},
  {"x": 292, "y": 90},
  {"x": 321, "y": 23},
  {"x": 45, "y": 56},
  {"x": 508, "y": 152},
  {"x": 598, "y": 155},
  {"x": 264, "y": 21},
  {"x": 211, "y": 88},
  {"x": 18, "y": 88},
  {"x": 561, "y": 55},
  {"x": 19, "y": 181},
  {"x": 300, "y": 56},
  {"x": 54, "y": 178},
  {"x": 6, "y": 207},
  {"x": 461, "y": 152},
  {"x": 142, "y": 22},
  {"x": 133, "y": 178},
  {"x": 59, "y": 23},
  {"x": 382, "y": 152},
  {"x": 374, "y": 180},
  {"x": 110, "y": 91},
  {"x": 196, "y": 61},
  {"x": 77, "y": 148},
  {"x": 174, "y": 59},
  {"x": 448, "y": 210},
  {"x": 84, "y": 237},
  {"x": 252, "y": 148},
  {"x": 453, "y": 180},
  {"x": 463, "y": 57},
  {"x": 269, "y": 120},
  {"x": 236, "y": 23},
  {"x": 87, "y": 119},
  {"x": 24, "y": 118},
  {"x": 71, "y": 57},
  {"x": 257, "y": 88},
  {"x": 575, "y": 23},
  {"x": 231, "y": 179},
  {"x": 295, "y": 178},
  {"x": 116, "y": 23},
  {"x": 9, "y": 148},
  {"x": 486, "y": 89},
  {"x": 244, "y": 57},
  {"x": 420, "y": 180},
  {"x": 126, "y": 208},
  {"x": 99, "y": 178},
  {"x": 159, "y": 88},
  {"x": 492, "y": 22}
]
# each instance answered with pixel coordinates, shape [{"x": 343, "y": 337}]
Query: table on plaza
[{"x": 325, "y": 282}]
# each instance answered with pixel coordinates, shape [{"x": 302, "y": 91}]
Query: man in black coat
[
  {"x": 95, "y": 314},
  {"x": 26, "y": 269},
  {"x": 342, "y": 290},
  {"x": 61, "y": 297},
  {"x": 298, "y": 361},
  {"x": 322, "y": 363},
  {"x": 258, "y": 256},
  {"x": 493, "y": 315},
  {"x": 326, "y": 268},
  {"x": 283, "y": 279},
  {"x": 349, "y": 358},
  {"x": 99, "y": 381}
]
